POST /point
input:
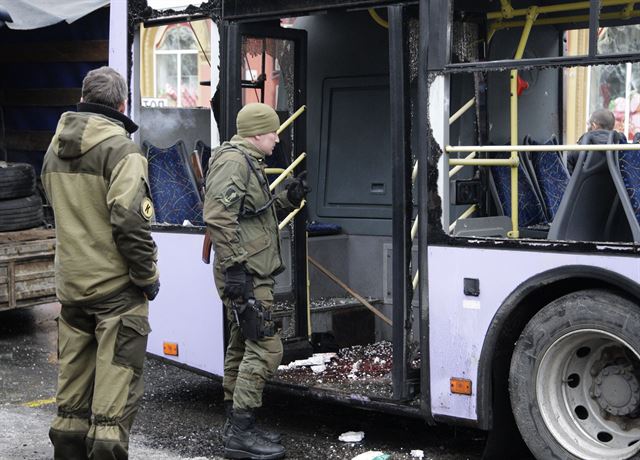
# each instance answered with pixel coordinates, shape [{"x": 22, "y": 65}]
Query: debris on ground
[
  {"x": 360, "y": 369},
  {"x": 417, "y": 453},
  {"x": 372, "y": 455},
  {"x": 316, "y": 360},
  {"x": 351, "y": 436}
]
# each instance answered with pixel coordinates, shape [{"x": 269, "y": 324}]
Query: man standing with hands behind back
[
  {"x": 105, "y": 262},
  {"x": 241, "y": 217}
]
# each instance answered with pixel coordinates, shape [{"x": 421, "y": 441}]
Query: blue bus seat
[
  {"x": 530, "y": 208},
  {"x": 625, "y": 171},
  {"x": 548, "y": 174},
  {"x": 173, "y": 186}
]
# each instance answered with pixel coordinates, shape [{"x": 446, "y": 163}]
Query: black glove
[
  {"x": 151, "y": 291},
  {"x": 297, "y": 189},
  {"x": 235, "y": 282}
]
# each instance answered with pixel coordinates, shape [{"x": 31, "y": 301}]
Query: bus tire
[
  {"x": 17, "y": 180},
  {"x": 574, "y": 379},
  {"x": 21, "y": 213}
]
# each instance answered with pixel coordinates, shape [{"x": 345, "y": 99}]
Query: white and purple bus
[{"x": 487, "y": 285}]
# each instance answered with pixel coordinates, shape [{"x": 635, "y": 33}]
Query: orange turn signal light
[
  {"x": 170, "y": 348},
  {"x": 460, "y": 386}
]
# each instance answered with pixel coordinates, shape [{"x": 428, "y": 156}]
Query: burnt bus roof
[{"x": 246, "y": 9}]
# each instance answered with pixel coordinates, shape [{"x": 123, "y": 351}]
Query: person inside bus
[
  {"x": 241, "y": 217},
  {"x": 601, "y": 123}
]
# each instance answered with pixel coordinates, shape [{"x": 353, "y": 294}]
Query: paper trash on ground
[
  {"x": 317, "y": 359},
  {"x": 417, "y": 453},
  {"x": 372, "y": 455},
  {"x": 352, "y": 436}
]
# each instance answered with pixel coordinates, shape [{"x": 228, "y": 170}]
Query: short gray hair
[
  {"x": 603, "y": 118},
  {"x": 104, "y": 86}
]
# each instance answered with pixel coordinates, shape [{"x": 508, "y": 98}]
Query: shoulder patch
[
  {"x": 230, "y": 196},
  {"x": 146, "y": 208}
]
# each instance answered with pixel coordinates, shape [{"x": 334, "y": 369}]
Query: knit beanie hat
[{"x": 256, "y": 118}]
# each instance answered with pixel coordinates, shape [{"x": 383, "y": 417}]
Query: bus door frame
[{"x": 231, "y": 90}]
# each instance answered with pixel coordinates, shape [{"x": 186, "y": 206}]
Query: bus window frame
[{"x": 439, "y": 65}]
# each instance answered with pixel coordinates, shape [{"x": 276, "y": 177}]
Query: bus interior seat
[
  {"x": 590, "y": 209},
  {"x": 531, "y": 216},
  {"x": 548, "y": 174},
  {"x": 173, "y": 186},
  {"x": 625, "y": 171},
  {"x": 204, "y": 153}
]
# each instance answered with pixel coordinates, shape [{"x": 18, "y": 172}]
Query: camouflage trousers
[
  {"x": 101, "y": 351},
  {"x": 248, "y": 364}
]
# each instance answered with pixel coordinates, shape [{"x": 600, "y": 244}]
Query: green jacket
[
  {"x": 96, "y": 180},
  {"x": 234, "y": 191}
]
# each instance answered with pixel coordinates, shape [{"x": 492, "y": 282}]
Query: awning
[{"x": 33, "y": 14}]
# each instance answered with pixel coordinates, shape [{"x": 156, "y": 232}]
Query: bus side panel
[
  {"x": 188, "y": 310},
  {"x": 459, "y": 322}
]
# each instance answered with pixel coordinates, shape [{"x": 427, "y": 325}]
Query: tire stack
[{"x": 20, "y": 203}]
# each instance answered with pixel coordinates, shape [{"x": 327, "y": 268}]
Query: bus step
[{"x": 296, "y": 348}]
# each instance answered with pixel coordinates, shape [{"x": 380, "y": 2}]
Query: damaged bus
[{"x": 445, "y": 254}]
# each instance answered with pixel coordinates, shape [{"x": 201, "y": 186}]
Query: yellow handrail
[
  {"x": 511, "y": 162},
  {"x": 286, "y": 172},
  {"x": 507, "y": 13},
  {"x": 273, "y": 170},
  {"x": 461, "y": 111},
  {"x": 539, "y": 148},
  {"x": 291, "y": 215},
  {"x": 532, "y": 14},
  {"x": 458, "y": 168},
  {"x": 562, "y": 20},
  {"x": 470, "y": 210},
  {"x": 376, "y": 17},
  {"x": 291, "y": 119}
]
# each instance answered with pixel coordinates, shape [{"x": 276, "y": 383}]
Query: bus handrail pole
[
  {"x": 470, "y": 210},
  {"x": 287, "y": 171},
  {"x": 291, "y": 215},
  {"x": 291, "y": 119},
  {"x": 459, "y": 167},
  {"x": 532, "y": 14},
  {"x": 540, "y": 148},
  {"x": 462, "y": 110},
  {"x": 558, "y": 8}
]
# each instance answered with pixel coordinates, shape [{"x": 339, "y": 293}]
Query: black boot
[
  {"x": 228, "y": 410},
  {"x": 271, "y": 436},
  {"x": 245, "y": 442},
  {"x": 68, "y": 445}
]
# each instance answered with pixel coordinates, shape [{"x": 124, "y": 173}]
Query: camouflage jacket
[
  {"x": 240, "y": 211},
  {"x": 96, "y": 180}
]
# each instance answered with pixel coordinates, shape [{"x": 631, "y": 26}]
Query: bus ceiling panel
[{"x": 233, "y": 10}]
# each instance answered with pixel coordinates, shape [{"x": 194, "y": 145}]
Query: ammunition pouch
[{"x": 253, "y": 319}]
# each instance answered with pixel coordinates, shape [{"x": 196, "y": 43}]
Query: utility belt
[{"x": 251, "y": 317}]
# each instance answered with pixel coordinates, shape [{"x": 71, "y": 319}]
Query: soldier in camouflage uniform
[
  {"x": 96, "y": 180},
  {"x": 240, "y": 213}
]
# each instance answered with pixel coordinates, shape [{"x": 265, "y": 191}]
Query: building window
[{"x": 176, "y": 63}]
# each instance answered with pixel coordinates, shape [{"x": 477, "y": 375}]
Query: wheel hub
[{"x": 617, "y": 390}]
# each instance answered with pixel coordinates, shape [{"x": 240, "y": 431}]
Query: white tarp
[
  {"x": 173, "y": 4},
  {"x": 33, "y": 14}
]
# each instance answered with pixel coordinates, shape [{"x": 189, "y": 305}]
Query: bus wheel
[{"x": 575, "y": 378}]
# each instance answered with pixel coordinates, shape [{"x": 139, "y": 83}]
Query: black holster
[{"x": 253, "y": 319}]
